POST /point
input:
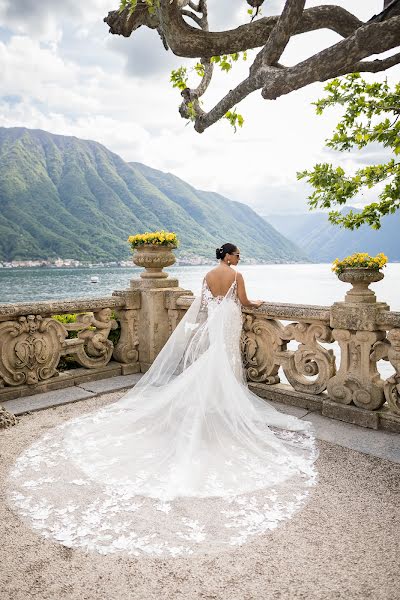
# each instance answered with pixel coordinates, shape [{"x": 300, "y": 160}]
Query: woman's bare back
[{"x": 220, "y": 280}]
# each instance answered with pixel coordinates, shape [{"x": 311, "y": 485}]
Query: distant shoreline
[{"x": 131, "y": 266}]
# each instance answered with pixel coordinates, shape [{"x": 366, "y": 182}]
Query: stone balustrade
[
  {"x": 32, "y": 342},
  {"x": 290, "y": 351},
  {"x": 345, "y": 384}
]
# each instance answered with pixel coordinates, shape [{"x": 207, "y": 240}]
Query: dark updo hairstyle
[{"x": 225, "y": 249}]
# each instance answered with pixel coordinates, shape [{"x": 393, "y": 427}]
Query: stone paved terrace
[{"x": 343, "y": 544}]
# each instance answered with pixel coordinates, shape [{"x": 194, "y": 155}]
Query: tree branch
[
  {"x": 191, "y": 15},
  {"x": 124, "y": 22},
  {"x": 282, "y": 32},
  {"x": 193, "y": 95},
  {"x": 343, "y": 57},
  {"x": 373, "y": 38},
  {"x": 190, "y": 42},
  {"x": 233, "y": 97},
  {"x": 375, "y": 66},
  {"x": 272, "y": 34}
]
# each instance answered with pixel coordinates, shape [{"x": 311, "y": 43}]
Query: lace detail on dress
[
  {"x": 207, "y": 297},
  {"x": 188, "y": 461}
]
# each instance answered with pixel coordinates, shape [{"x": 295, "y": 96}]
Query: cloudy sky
[{"x": 60, "y": 70}]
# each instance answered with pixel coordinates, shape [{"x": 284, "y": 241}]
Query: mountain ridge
[
  {"x": 61, "y": 196},
  {"x": 323, "y": 242}
]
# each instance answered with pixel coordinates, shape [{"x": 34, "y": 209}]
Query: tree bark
[{"x": 271, "y": 34}]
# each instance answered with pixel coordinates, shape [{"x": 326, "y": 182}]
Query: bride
[{"x": 187, "y": 461}]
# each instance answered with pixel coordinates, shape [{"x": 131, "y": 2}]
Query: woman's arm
[{"x": 241, "y": 292}]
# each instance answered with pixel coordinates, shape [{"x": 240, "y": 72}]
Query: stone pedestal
[
  {"x": 356, "y": 329},
  {"x": 153, "y": 327}
]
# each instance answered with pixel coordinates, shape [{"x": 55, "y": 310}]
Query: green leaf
[{"x": 371, "y": 115}]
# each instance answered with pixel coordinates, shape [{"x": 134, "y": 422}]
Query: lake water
[{"x": 301, "y": 284}]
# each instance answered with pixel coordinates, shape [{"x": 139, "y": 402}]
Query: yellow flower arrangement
[
  {"x": 155, "y": 238},
  {"x": 359, "y": 260}
]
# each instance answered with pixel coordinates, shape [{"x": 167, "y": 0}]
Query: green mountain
[
  {"x": 323, "y": 242},
  {"x": 70, "y": 198}
]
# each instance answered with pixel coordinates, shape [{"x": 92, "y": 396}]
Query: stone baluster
[
  {"x": 389, "y": 349},
  {"x": 310, "y": 367},
  {"x": 126, "y": 350},
  {"x": 392, "y": 384},
  {"x": 261, "y": 343}
]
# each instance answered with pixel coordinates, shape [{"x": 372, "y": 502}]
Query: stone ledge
[
  {"x": 285, "y": 394},
  {"x": 172, "y": 297},
  {"x": 350, "y": 414},
  {"x": 75, "y": 393},
  {"x": 322, "y": 404},
  {"x": 388, "y": 320},
  {"x": 55, "y": 307},
  {"x": 113, "y": 384},
  {"x": 46, "y": 400},
  {"x": 382, "y": 444},
  {"x": 63, "y": 380},
  {"x": 291, "y": 312},
  {"x": 68, "y": 379},
  {"x": 184, "y": 301},
  {"x": 389, "y": 421}
]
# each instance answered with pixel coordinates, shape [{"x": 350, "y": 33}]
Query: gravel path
[{"x": 344, "y": 544}]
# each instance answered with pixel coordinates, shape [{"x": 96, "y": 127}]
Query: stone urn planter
[
  {"x": 360, "y": 278},
  {"x": 154, "y": 258}
]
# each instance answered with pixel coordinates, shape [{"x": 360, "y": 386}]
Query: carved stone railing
[
  {"x": 345, "y": 385},
  {"x": 32, "y": 342},
  {"x": 317, "y": 357}
]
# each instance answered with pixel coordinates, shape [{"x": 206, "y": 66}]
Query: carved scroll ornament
[
  {"x": 260, "y": 342},
  {"x": 389, "y": 349},
  {"x": 127, "y": 347},
  {"x": 357, "y": 380},
  {"x": 95, "y": 349},
  {"x": 30, "y": 349},
  {"x": 310, "y": 359}
]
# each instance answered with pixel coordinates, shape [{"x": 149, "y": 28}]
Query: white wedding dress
[{"x": 187, "y": 461}]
